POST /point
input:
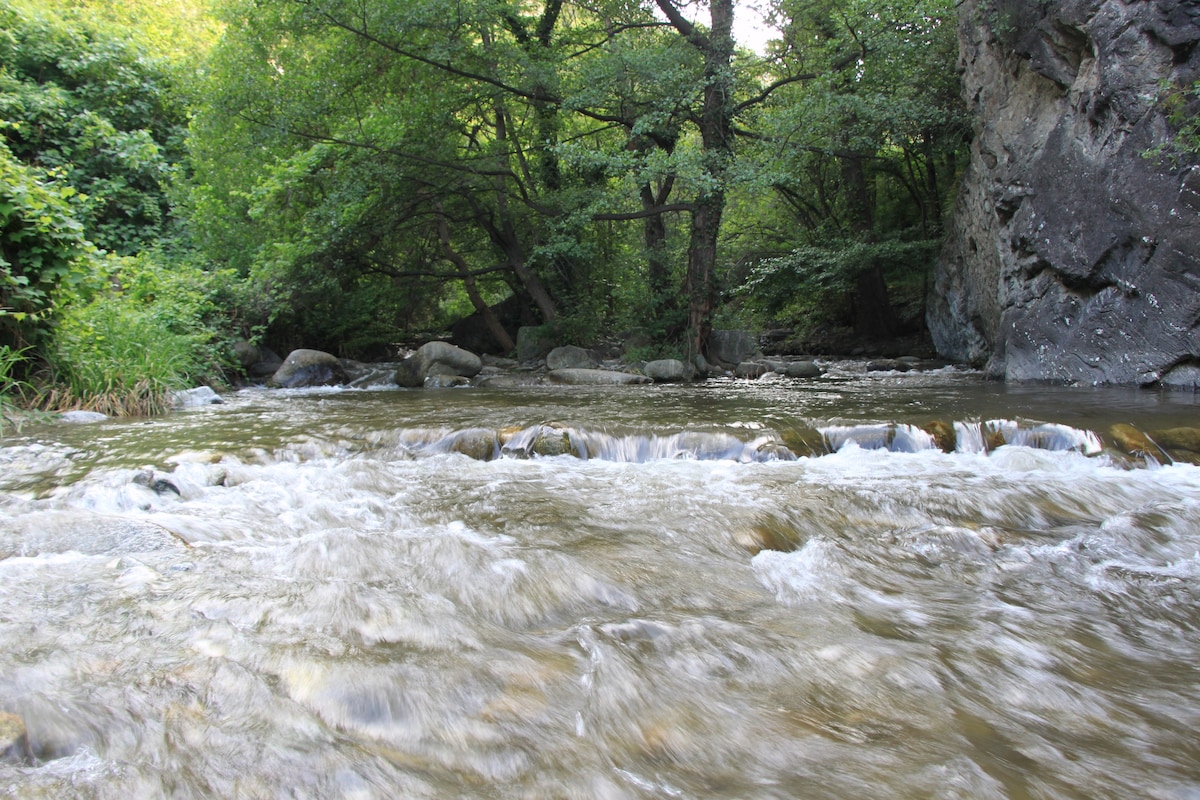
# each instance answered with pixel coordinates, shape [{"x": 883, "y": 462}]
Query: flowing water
[{"x": 726, "y": 590}]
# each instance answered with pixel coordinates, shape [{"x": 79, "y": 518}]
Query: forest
[{"x": 349, "y": 175}]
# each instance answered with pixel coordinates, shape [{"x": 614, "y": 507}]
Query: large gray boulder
[
  {"x": 1071, "y": 256},
  {"x": 666, "y": 370},
  {"x": 594, "y": 377},
  {"x": 437, "y": 359},
  {"x": 571, "y": 357},
  {"x": 308, "y": 368}
]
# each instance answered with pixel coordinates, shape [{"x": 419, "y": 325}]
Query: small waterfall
[
  {"x": 897, "y": 438},
  {"x": 549, "y": 440}
]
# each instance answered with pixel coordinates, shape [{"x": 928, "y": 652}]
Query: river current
[{"x": 769, "y": 589}]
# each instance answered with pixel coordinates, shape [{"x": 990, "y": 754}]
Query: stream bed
[{"x": 768, "y": 589}]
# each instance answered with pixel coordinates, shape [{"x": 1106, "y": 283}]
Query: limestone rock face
[{"x": 1072, "y": 257}]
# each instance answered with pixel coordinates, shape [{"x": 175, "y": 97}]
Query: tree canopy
[{"x": 369, "y": 170}]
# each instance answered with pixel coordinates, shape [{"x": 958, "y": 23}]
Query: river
[{"x": 732, "y": 589}]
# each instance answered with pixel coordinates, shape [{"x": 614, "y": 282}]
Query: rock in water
[
  {"x": 594, "y": 377},
  {"x": 14, "y": 740},
  {"x": 571, "y": 357},
  {"x": 666, "y": 369},
  {"x": 308, "y": 368},
  {"x": 731, "y": 347},
  {"x": 437, "y": 359},
  {"x": 1072, "y": 257}
]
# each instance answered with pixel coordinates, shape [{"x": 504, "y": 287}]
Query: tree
[
  {"x": 863, "y": 157},
  {"x": 82, "y": 99}
]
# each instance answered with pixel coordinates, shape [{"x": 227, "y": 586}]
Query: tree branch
[{"x": 646, "y": 212}]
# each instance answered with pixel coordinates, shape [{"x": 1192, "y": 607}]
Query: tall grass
[
  {"x": 120, "y": 359},
  {"x": 12, "y": 390}
]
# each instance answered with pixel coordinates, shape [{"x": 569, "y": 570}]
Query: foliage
[
  {"x": 83, "y": 100},
  {"x": 816, "y": 281},
  {"x": 861, "y": 158},
  {"x": 42, "y": 246},
  {"x": 122, "y": 347},
  {"x": 1181, "y": 105},
  {"x": 11, "y": 387}
]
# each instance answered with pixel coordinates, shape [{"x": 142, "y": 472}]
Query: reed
[{"x": 119, "y": 359}]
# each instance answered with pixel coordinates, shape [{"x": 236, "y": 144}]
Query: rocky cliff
[{"x": 1073, "y": 257}]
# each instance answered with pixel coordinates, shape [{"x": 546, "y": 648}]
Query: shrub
[{"x": 148, "y": 332}]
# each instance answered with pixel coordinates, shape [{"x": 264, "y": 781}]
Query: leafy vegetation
[
  {"x": 12, "y": 389},
  {"x": 1182, "y": 107},
  {"x": 337, "y": 175}
]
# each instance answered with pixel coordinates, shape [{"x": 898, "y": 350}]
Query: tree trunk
[
  {"x": 485, "y": 311},
  {"x": 716, "y": 137},
  {"x": 505, "y": 235},
  {"x": 658, "y": 267}
]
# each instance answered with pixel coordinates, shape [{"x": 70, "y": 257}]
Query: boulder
[
  {"x": 666, "y": 370},
  {"x": 308, "y": 368},
  {"x": 594, "y": 377},
  {"x": 802, "y": 369},
  {"x": 534, "y": 342},
  {"x": 194, "y": 398},
  {"x": 441, "y": 358},
  {"x": 437, "y": 359},
  {"x": 571, "y": 357},
  {"x": 751, "y": 369},
  {"x": 473, "y": 333},
  {"x": 246, "y": 353},
  {"x": 257, "y": 360},
  {"x": 1071, "y": 257},
  {"x": 731, "y": 347}
]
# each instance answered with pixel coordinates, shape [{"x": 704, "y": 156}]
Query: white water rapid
[{"x": 724, "y": 591}]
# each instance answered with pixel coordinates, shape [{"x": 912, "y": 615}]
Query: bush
[{"x": 150, "y": 331}]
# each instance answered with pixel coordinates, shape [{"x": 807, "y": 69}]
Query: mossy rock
[
  {"x": 943, "y": 433},
  {"x": 770, "y": 533},
  {"x": 1182, "y": 444}
]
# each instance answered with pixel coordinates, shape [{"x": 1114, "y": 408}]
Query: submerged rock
[
  {"x": 304, "y": 368},
  {"x": 194, "y": 398},
  {"x": 1183, "y": 444},
  {"x": 770, "y": 533},
  {"x": 1133, "y": 442},
  {"x": 82, "y": 417},
  {"x": 14, "y": 739}
]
